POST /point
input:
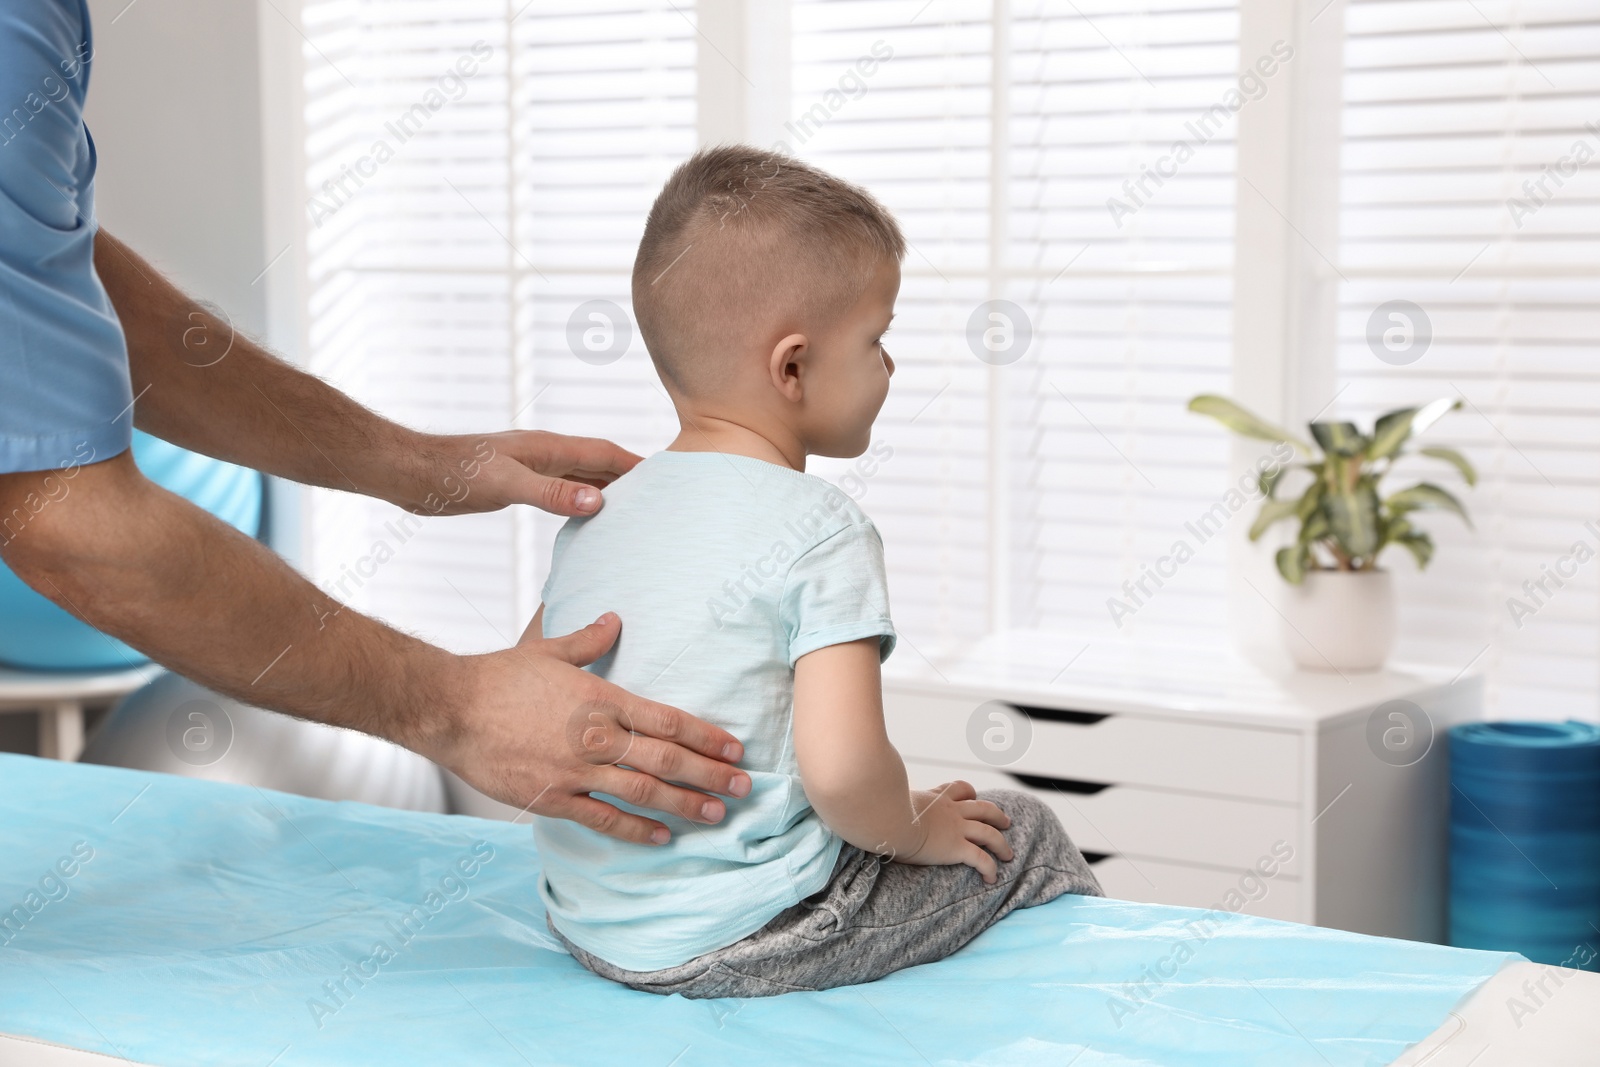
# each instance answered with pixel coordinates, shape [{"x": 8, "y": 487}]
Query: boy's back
[
  {"x": 725, "y": 570},
  {"x": 753, "y": 595}
]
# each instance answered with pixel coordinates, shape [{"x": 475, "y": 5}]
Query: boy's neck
[{"x": 707, "y": 433}]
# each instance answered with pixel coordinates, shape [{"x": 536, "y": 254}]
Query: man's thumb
[
  {"x": 559, "y": 496},
  {"x": 582, "y": 647}
]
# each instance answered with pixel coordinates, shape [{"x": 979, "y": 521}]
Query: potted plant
[{"x": 1339, "y": 612}]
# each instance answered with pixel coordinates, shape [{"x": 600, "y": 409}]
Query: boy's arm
[{"x": 856, "y": 780}]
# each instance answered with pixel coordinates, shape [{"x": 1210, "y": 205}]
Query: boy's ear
[{"x": 786, "y": 366}]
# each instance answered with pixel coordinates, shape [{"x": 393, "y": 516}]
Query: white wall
[
  {"x": 175, "y": 112},
  {"x": 187, "y": 168}
]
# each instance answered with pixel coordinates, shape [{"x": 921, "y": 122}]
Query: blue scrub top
[{"x": 65, "y": 397}]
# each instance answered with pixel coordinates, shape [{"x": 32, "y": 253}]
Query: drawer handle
[
  {"x": 1061, "y": 785},
  {"x": 1076, "y": 718},
  {"x": 1092, "y": 858}
]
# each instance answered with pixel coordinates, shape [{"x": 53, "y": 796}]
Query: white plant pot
[{"x": 1340, "y": 620}]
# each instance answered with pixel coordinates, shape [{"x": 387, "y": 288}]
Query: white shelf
[
  {"x": 1063, "y": 670},
  {"x": 1186, "y": 769}
]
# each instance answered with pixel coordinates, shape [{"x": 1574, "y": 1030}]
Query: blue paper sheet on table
[{"x": 204, "y": 923}]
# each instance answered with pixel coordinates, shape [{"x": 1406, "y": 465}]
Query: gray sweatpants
[{"x": 875, "y": 917}]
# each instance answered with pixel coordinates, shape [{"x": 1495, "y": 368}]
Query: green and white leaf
[
  {"x": 1267, "y": 481},
  {"x": 1310, "y": 500},
  {"x": 1456, "y": 460},
  {"x": 1353, "y": 518},
  {"x": 1272, "y": 511},
  {"x": 1425, "y": 496},
  {"x": 1314, "y": 528},
  {"x": 1390, "y": 432},
  {"x": 1241, "y": 421},
  {"x": 1292, "y": 563},
  {"x": 1432, "y": 412},
  {"x": 1339, "y": 438},
  {"x": 1419, "y": 544}
]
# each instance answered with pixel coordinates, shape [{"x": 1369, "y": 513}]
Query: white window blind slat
[
  {"x": 1114, "y": 357},
  {"x": 442, "y": 282},
  {"x": 1022, "y": 495},
  {"x": 1450, "y": 107}
]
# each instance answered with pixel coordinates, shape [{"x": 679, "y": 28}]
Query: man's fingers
[
  {"x": 562, "y": 456},
  {"x": 556, "y": 495},
  {"x": 981, "y": 833},
  {"x": 645, "y": 791},
  {"x": 669, "y": 724},
  {"x": 614, "y": 822},
  {"x": 581, "y": 647},
  {"x": 668, "y": 762}
]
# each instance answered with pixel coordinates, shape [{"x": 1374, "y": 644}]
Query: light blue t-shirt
[
  {"x": 725, "y": 570},
  {"x": 65, "y": 398}
]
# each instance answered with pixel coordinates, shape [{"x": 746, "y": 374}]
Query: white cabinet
[{"x": 1203, "y": 780}]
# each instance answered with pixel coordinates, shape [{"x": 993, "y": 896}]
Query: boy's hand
[{"x": 957, "y": 827}]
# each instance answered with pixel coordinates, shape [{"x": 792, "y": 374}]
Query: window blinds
[
  {"x": 1470, "y": 193},
  {"x": 1015, "y": 143},
  {"x": 477, "y": 172},
  {"x": 1077, "y": 163}
]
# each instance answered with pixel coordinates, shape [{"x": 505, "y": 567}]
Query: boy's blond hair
[{"x": 742, "y": 242}]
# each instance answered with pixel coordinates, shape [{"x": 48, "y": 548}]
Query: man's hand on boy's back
[
  {"x": 468, "y": 473},
  {"x": 536, "y": 731}
]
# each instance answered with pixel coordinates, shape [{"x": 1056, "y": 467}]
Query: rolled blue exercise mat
[
  {"x": 37, "y": 635},
  {"x": 1525, "y": 840}
]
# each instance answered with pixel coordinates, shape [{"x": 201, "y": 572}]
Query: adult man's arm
[
  {"x": 203, "y": 386},
  {"x": 138, "y": 562}
]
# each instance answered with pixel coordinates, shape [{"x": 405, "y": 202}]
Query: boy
[{"x": 754, "y": 594}]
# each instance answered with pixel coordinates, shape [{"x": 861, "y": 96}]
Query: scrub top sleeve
[{"x": 65, "y": 395}]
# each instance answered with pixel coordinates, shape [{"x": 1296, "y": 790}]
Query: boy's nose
[{"x": 888, "y": 361}]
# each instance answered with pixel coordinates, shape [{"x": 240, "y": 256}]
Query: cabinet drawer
[
  {"x": 1158, "y": 882},
  {"x": 1123, "y": 749},
  {"x": 1136, "y": 821}
]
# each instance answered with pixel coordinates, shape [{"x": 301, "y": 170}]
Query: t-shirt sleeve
[
  {"x": 65, "y": 397},
  {"x": 837, "y": 592}
]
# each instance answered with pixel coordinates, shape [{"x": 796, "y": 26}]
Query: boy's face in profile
[{"x": 846, "y": 378}]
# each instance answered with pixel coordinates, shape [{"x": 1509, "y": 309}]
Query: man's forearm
[
  {"x": 202, "y": 386},
  {"x": 186, "y": 589}
]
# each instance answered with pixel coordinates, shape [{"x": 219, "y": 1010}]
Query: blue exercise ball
[{"x": 37, "y": 635}]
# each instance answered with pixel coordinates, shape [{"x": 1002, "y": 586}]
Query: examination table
[{"x": 170, "y": 921}]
